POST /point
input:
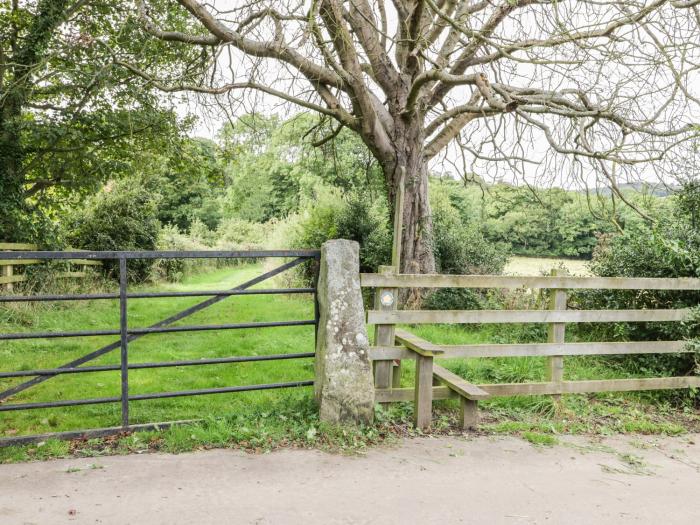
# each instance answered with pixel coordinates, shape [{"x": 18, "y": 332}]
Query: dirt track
[{"x": 441, "y": 480}]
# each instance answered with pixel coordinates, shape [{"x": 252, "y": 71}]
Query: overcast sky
[{"x": 538, "y": 166}]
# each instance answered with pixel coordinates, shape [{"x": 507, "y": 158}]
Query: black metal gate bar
[
  {"x": 158, "y": 330},
  {"x": 185, "y": 254},
  {"x": 151, "y": 295},
  {"x": 127, "y": 335},
  {"x": 53, "y": 335},
  {"x": 165, "y": 364},
  {"x": 155, "y": 395},
  {"x": 181, "y": 315},
  {"x": 92, "y": 433},
  {"x": 124, "y": 341}
]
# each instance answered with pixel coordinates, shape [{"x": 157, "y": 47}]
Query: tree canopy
[
  {"x": 606, "y": 86},
  {"x": 69, "y": 118}
]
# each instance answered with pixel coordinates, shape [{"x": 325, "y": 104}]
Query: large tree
[
  {"x": 69, "y": 118},
  {"x": 606, "y": 85}
]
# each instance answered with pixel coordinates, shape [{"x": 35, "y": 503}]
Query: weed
[
  {"x": 650, "y": 427},
  {"x": 631, "y": 464},
  {"x": 538, "y": 439}
]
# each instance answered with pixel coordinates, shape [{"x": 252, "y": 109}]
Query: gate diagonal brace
[{"x": 165, "y": 322}]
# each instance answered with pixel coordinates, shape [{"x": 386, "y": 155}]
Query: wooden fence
[
  {"x": 434, "y": 382},
  {"x": 9, "y": 267}
]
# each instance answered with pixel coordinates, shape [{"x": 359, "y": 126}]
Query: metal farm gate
[{"x": 127, "y": 334}]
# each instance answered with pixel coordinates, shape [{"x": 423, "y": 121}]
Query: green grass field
[
  {"x": 93, "y": 315},
  {"x": 542, "y": 265}
]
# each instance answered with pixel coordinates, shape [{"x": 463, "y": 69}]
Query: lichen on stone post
[{"x": 344, "y": 386}]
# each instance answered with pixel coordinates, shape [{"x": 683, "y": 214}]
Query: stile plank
[
  {"x": 379, "y": 353},
  {"x": 9, "y": 279},
  {"x": 458, "y": 384},
  {"x": 396, "y": 395},
  {"x": 418, "y": 345},
  {"x": 18, "y": 262},
  {"x": 389, "y": 353},
  {"x": 592, "y": 386},
  {"x": 468, "y": 413},
  {"x": 17, "y": 246}
]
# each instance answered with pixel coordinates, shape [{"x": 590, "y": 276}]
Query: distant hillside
[
  {"x": 657, "y": 190},
  {"x": 645, "y": 188}
]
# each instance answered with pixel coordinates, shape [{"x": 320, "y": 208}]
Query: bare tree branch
[{"x": 549, "y": 90}]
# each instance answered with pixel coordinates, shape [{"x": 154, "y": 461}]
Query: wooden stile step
[
  {"x": 418, "y": 345},
  {"x": 459, "y": 385}
]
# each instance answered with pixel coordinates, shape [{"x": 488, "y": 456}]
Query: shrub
[
  {"x": 460, "y": 248},
  {"x": 170, "y": 238},
  {"x": 122, "y": 216},
  {"x": 317, "y": 223},
  {"x": 454, "y": 299},
  {"x": 366, "y": 222},
  {"x": 355, "y": 218},
  {"x": 201, "y": 232},
  {"x": 240, "y": 234},
  {"x": 459, "y": 245},
  {"x": 670, "y": 248}
]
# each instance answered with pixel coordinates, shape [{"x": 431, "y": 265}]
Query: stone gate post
[{"x": 344, "y": 386}]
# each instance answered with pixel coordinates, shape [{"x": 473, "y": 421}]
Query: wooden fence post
[
  {"x": 396, "y": 258},
  {"x": 423, "y": 401},
  {"x": 556, "y": 333},
  {"x": 398, "y": 221},
  {"x": 384, "y": 299},
  {"x": 7, "y": 270},
  {"x": 468, "y": 413}
]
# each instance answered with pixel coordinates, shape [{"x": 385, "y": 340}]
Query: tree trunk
[{"x": 417, "y": 237}]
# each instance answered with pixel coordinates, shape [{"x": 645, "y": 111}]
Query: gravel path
[{"x": 431, "y": 480}]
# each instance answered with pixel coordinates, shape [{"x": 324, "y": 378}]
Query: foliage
[
  {"x": 550, "y": 222},
  {"x": 273, "y": 170},
  {"x": 122, "y": 216},
  {"x": 670, "y": 248},
  {"x": 354, "y": 218},
  {"x": 189, "y": 183},
  {"x": 367, "y": 223},
  {"x": 454, "y": 299},
  {"x": 459, "y": 244},
  {"x": 70, "y": 119},
  {"x": 240, "y": 234},
  {"x": 173, "y": 270},
  {"x": 460, "y": 248}
]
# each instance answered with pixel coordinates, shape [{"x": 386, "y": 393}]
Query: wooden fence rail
[
  {"x": 375, "y": 280},
  {"x": 434, "y": 382},
  {"x": 8, "y": 276}
]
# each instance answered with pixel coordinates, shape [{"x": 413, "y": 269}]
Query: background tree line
[{"x": 263, "y": 181}]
